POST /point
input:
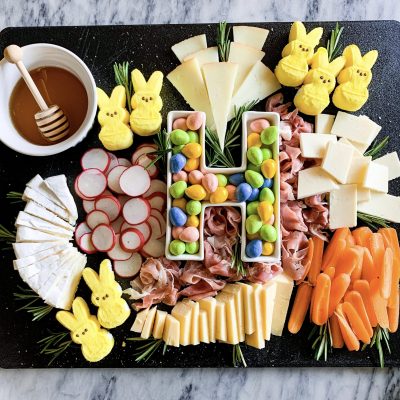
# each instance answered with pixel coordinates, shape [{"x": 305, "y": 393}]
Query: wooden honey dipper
[{"x": 51, "y": 121}]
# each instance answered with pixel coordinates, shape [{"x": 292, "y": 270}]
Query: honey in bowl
[{"x": 57, "y": 86}]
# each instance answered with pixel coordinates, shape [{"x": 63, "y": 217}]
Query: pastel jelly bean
[
  {"x": 180, "y": 123},
  {"x": 180, "y": 203},
  {"x": 193, "y": 220},
  {"x": 210, "y": 183},
  {"x": 177, "y": 149},
  {"x": 268, "y": 233},
  {"x": 193, "y": 207},
  {"x": 177, "y": 189},
  {"x": 192, "y": 150},
  {"x": 236, "y": 179},
  {"x": 195, "y": 177},
  {"x": 177, "y": 247},
  {"x": 243, "y": 192},
  {"x": 177, "y": 216},
  {"x": 251, "y": 208},
  {"x": 193, "y": 137},
  {"x": 254, "y": 248},
  {"x": 194, "y": 121},
  {"x": 265, "y": 210},
  {"x": 222, "y": 180},
  {"x": 254, "y": 195},
  {"x": 196, "y": 192},
  {"x": 192, "y": 164},
  {"x": 177, "y": 163},
  {"x": 180, "y": 176},
  {"x": 258, "y": 125},
  {"x": 254, "y": 139},
  {"x": 192, "y": 248},
  {"x": 253, "y": 224},
  {"x": 253, "y": 167},
  {"x": 253, "y": 236},
  {"x": 268, "y": 183},
  {"x": 255, "y": 155},
  {"x": 267, "y": 248},
  {"x": 179, "y": 136},
  {"x": 269, "y": 135},
  {"x": 231, "y": 192},
  {"x": 268, "y": 168},
  {"x": 189, "y": 234},
  {"x": 267, "y": 153},
  {"x": 176, "y": 231},
  {"x": 219, "y": 196},
  {"x": 266, "y": 194},
  {"x": 253, "y": 178}
]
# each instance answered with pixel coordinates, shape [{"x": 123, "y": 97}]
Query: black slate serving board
[{"x": 148, "y": 48}]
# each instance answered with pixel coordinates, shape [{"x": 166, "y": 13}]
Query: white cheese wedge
[
  {"x": 314, "y": 145},
  {"x": 188, "y": 81},
  {"x": 260, "y": 82},
  {"x": 355, "y": 146},
  {"x": 323, "y": 123},
  {"x": 171, "y": 333},
  {"x": 392, "y": 162},
  {"x": 250, "y": 36},
  {"x": 159, "y": 323},
  {"x": 363, "y": 194},
  {"x": 248, "y": 312},
  {"x": 37, "y": 183},
  {"x": 23, "y": 250},
  {"x": 256, "y": 339},
  {"x": 25, "y": 234},
  {"x": 284, "y": 290},
  {"x": 139, "y": 321},
  {"x": 208, "y": 304},
  {"x": 205, "y": 56},
  {"x": 343, "y": 207},
  {"x": 203, "y": 327},
  {"x": 183, "y": 313},
  {"x": 236, "y": 291},
  {"x": 220, "y": 79},
  {"x": 231, "y": 321},
  {"x": 221, "y": 332},
  {"x": 148, "y": 324},
  {"x": 314, "y": 180},
  {"x": 194, "y": 325},
  {"x": 189, "y": 46},
  {"x": 267, "y": 302},
  {"x": 382, "y": 205},
  {"x": 245, "y": 57},
  {"x": 358, "y": 169},
  {"x": 337, "y": 160},
  {"x": 377, "y": 177}
]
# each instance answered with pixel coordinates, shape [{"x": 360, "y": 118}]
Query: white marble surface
[{"x": 344, "y": 384}]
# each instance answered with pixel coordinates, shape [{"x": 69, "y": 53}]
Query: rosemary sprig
[
  {"x": 16, "y": 197},
  {"x": 377, "y": 147},
  {"x": 121, "y": 75},
  {"x": 223, "y": 41},
  {"x": 237, "y": 262},
  {"x": 379, "y": 335},
  {"x": 6, "y": 237},
  {"x": 55, "y": 344},
  {"x": 372, "y": 221},
  {"x": 332, "y": 45},
  {"x": 322, "y": 341},
  {"x": 146, "y": 351},
  {"x": 237, "y": 356},
  {"x": 163, "y": 143},
  {"x": 31, "y": 298}
]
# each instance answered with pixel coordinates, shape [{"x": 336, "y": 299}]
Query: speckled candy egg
[
  {"x": 258, "y": 125},
  {"x": 210, "y": 183},
  {"x": 189, "y": 234},
  {"x": 194, "y": 121}
]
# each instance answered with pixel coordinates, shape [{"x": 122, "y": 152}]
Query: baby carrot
[
  {"x": 368, "y": 269},
  {"x": 351, "y": 258},
  {"x": 356, "y": 323},
  {"x": 355, "y": 299},
  {"x": 337, "y": 338},
  {"x": 361, "y": 235},
  {"x": 300, "y": 307},
  {"x": 340, "y": 246},
  {"x": 350, "y": 241},
  {"x": 307, "y": 260},
  {"x": 379, "y": 304},
  {"x": 316, "y": 262},
  {"x": 340, "y": 234},
  {"x": 350, "y": 339},
  {"x": 385, "y": 273},
  {"x": 339, "y": 287},
  {"x": 362, "y": 287},
  {"x": 393, "y": 298},
  {"x": 393, "y": 314},
  {"x": 357, "y": 271},
  {"x": 376, "y": 246},
  {"x": 330, "y": 271},
  {"x": 319, "y": 312}
]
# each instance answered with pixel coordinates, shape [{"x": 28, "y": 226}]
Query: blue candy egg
[
  {"x": 178, "y": 161},
  {"x": 243, "y": 192},
  {"x": 268, "y": 183},
  {"x": 236, "y": 179},
  {"x": 254, "y": 194},
  {"x": 254, "y": 248},
  {"x": 177, "y": 216}
]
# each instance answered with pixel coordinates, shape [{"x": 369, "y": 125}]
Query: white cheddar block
[
  {"x": 357, "y": 152},
  {"x": 267, "y": 300},
  {"x": 171, "y": 333},
  {"x": 236, "y": 291},
  {"x": 208, "y": 304},
  {"x": 189, "y": 46},
  {"x": 139, "y": 321},
  {"x": 363, "y": 194},
  {"x": 159, "y": 324},
  {"x": 148, "y": 324},
  {"x": 248, "y": 312},
  {"x": 343, "y": 207},
  {"x": 314, "y": 180},
  {"x": 284, "y": 290},
  {"x": 337, "y": 160},
  {"x": 391, "y": 161},
  {"x": 221, "y": 332},
  {"x": 377, "y": 177},
  {"x": 323, "y": 123},
  {"x": 194, "y": 325},
  {"x": 230, "y": 312},
  {"x": 183, "y": 313},
  {"x": 382, "y": 205},
  {"x": 250, "y": 36},
  {"x": 313, "y": 145},
  {"x": 203, "y": 327},
  {"x": 205, "y": 56},
  {"x": 256, "y": 339},
  {"x": 358, "y": 169}
]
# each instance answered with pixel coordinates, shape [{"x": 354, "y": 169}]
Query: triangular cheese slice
[
  {"x": 37, "y": 183},
  {"x": 208, "y": 55},
  {"x": 189, "y": 46},
  {"x": 250, "y": 36}
]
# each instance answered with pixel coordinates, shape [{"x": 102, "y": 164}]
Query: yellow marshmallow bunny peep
[
  {"x": 96, "y": 343},
  {"x": 297, "y": 54},
  {"x": 352, "y": 92},
  {"x": 313, "y": 97}
]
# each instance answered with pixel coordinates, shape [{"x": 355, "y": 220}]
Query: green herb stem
[
  {"x": 146, "y": 351},
  {"x": 121, "y": 75},
  {"x": 237, "y": 262},
  {"x": 322, "y": 341},
  {"x": 332, "y": 45},
  {"x": 31, "y": 298},
  {"x": 377, "y": 147},
  {"x": 380, "y": 334},
  {"x": 223, "y": 42},
  {"x": 238, "y": 357},
  {"x": 55, "y": 344},
  {"x": 372, "y": 221},
  {"x": 16, "y": 197}
]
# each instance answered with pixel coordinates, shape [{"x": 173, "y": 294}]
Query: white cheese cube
[
  {"x": 314, "y": 181},
  {"x": 148, "y": 324},
  {"x": 382, "y": 205},
  {"x": 392, "y": 162},
  {"x": 377, "y": 177},
  {"x": 250, "y": 36},
  {"x": 337, "y": 160},
  {"x": 183, "y": 313},
  {"x": 343, "y": 207},
  {"x": 323, "y": 123},
  {"x": 313, "y": 145},
  {"x": 189, "y": 46}
]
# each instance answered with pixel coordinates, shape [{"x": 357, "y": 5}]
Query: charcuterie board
[{"x": 148, "y": 48}]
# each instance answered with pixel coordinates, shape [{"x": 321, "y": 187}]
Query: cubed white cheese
[
  {"x": 382, "y": 205},
  {"x": 343, "y": 207},
  {"x": 323, "y": 123},
  {"x": 392, "y": 162},
  {"x": 377, "y": 177},
  {"x": 313, "y": 145},
  {"x": 189, "y": 46},
  {"x": 337, "y": 160},
  {"x": 314, "y": 180}
]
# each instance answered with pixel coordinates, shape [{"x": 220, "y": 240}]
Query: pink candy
[
  {"x": 231, "y": 192},
  {"x": 180, "y": 123},
  {"x": 194, "y": 121},
  {"x": 189, "y": 234},
  {"x": 180, "y": 176},
  {"x": 210, "y": 183},
  {"x": 258, "y": 125},
  {"x": 176, "y": 231},
  {"x": 195, "y": 177}
]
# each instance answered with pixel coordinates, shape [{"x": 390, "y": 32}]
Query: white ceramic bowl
[{"x": 34, "y": 56}]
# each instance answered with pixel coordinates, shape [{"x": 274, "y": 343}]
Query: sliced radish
[
  {"x": 86, "y": 245},
  {"x": 131, "y": 240},
  {"x": 96, "y": 158},
  {"x": 124, "y": 162},
  {"x": 158, "y": 201},
  {"x": 80, "y": 230},
  {"x": 153, "y": 248},
  {"x": 145, "y": 148},
  {"x": 155, "y": 227},
  {"x": 156, "y": 186},
  {"x": 113, "y": 162},
  {"x": 127, "y": 269},
  {"x": 144, "y": 227},
  {"x": 92, "y": 183},
  {"x": 103, "y": 237},
  {"x": 118, "y": 253},
  {"x": 161, "y": 220},
  {"x": 136, "y": 211},
  {"x": 145, "y": 161},
  {"x": 113, "y": 178},
  {"x": 117, "y": 224},
  {"x": 110, "y": 205},
  {"x": 97, "y": 217},
  {"x": 134, "y": 181},
  {"x": 88, "y": 205},
  {"x": 77, "y": 191},
  {"x": 123, "y": 198}
]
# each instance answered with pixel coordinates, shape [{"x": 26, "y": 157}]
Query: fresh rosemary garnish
[
  {"x": 38, "y": 311},
  {"x": 372, "y": 221},
  {"x": 146, "y": 351},
  {"x": 163, "y": 148},
  {"x": 377, "y": 147},
  {"x": 332, "y": 45},
  {"x": 223, "y": 41},
  {"x": 237, "y": 262},
  {"x": 322, "y": 340},
  {"x": 16, "y": 197},
  {"x": 121, "y": 75},
  {"x": 237, "y": 356},
  {"x": 379, "y": 334},
  {"x": 7, "y": 237},
  {"x": 55, "y": 344}
]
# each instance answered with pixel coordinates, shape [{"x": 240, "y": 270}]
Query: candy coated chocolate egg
[
  {"x": 180, "y": 123},
  {"x": 180, "y": 203},
  {"x": 177, "y": 217},
  {"x": 270, "y": 135},
  {"x": 219, "y": 196},
  {"x": 243, "y": 192},
  {"x": 236, "y": 179},
  {"x": 177, "y": 149},
  {"x": 268, "y": 183},
  {"x": 177, "y": 247},
  {"x": 193, "y": 220},
  {"x": 254, "y": 195},
  {"x": 268, "y": 168},
  {"x": 180, "y": 176},
  {"x": 210, "y": 183},
  {"x": 192, "y": 248},
  {"x": 192, "y": 164},
  {"x": 189, "y": 234},
  {"x": 179, "y": 137},
  {"x": 267, "y": 153},
  {"x": 222, "y": 180},
  {"x": 251, "y": 208},
  {"x": 176, "y": 231},
  {"x": 268, "y": 233},
  {"x": 194, "y": 121},
  {"x": 254, "y": 139},
  {"x": 265, "y": 210},
  {"x": 253, "y": 178},
  {"x": 266, "y": 194},
  {"x": 255, "y": 155},
  {"x": 177, "y": 162},
  {"x": 254, "y": 248},
  {"x": 193, "y": 207},
  {"x": 253, "y": 224},
  {"x": 193, "y": 137},
  {"x": 192, "y": 150},
  {"x": 195, "y": 177},
  {"x": 267, "y": 248},
  {"x": 258, "y": 125},
  {"x": 177, "y": 189},
  {"x": 231, "y": 192},
  {"x": 196, "y": 192}
]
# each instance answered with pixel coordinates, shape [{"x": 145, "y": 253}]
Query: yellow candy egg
[
  {"x": 207, "y": 198},
  {"x": 192, "y": 164},
  {"x": 180, "y": 203},
  {"x": 265, "y": 211},
  {"x": 193, "y": 220},
  {"x": 219, "y": 196},
  {"x": 268, "y": 168},
  {"x": 196, "y": 192},
  {"x": 192, "y": 150},
  {"x": 267, "y": 248},
  {"x": 254, "y": 139}
]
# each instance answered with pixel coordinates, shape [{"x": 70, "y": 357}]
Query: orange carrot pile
[{"x": 353, "y": 284}]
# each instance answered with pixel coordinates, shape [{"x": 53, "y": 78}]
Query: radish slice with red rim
[
  {"x": 158, "y": 201},
  {"x": 124, "y": 162},
  {"x": 103, "y": 238},
  {"x": 91, "y": 183},
  {"x": 144, "y": 227},
  {"x": 156, "y": 186},
  {"x": 118, "y": 253},
  {"x": 80, "y": 230},
  {"x": 163, "y": 225},
  {"x": 127, "y": 269},
  {"x": 145, "y": 161},
  {"x": 96, "y": 158},
  {"x": 155, "y": 227},
  {"x": 123, "y": 198},
  {"x": 97, "y": 217},
  {"x": 136, "y": 211},
  {"x": 145, "y": 148},
  {"x": 134, "y": 181},
  {"x": 117, "y": 224},
  {"x": 86, "y": 245},
  {"x": 110, "y": 205},
  {"x": 153, "y": 248},
  {"x": 131, "y": 239},
  {"x": 113, "y": 162},
  {"x": 79, "y": 194},
  {"x": 88, "y": 205},
  {"x": 113, "y": 178}
]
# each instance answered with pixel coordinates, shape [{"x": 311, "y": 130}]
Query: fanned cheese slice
[
  {"x": 183, "y": 313},
  {"x": 230, "y": 312},
  {"x": 208, "y": 304},
  {"x": 203, "y": 327},
  {"x": 256, "y": 339},
  {"x": 171, "y": 333},
  {"x": 267, "y": 302},
  {"x": 248, "y": 308},
  {"x": 391, "y": 161},
  {"x": 284, "y": 290},
  {"x": 148, "y": 324},
  {"x": 323, "y": 123},
  {"x": 205, "y": 56},
  {"x": 194, "y": 325},
  {"x": 343, "y": 207},
  {"x": 23, "y": 250},
  {"x": 250, "y": 36},
  {"x": 37, "y": 183},
  {"x": 159, "y": 323},
  {"x": 382, "y": 205},
  {"x": 236, "y": 291},
  {"x": 220, "y": 322},
  {"x": 314, "y": 181},
  {"x": 25, "y": 234},
  {"x": 189, "y": 46},
  {"x": 220, "y": 80},
  {"x": 139, "y": 321}
]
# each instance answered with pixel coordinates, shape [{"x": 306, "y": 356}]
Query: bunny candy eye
[
  {"x": 150, "y": 98},
  {"x": 300, "y": 46},
  {"x": 106, "y": 295},
  {"x": 329, "y": 80},
  {"x": 77, "y": 335},
  {"x": 83, "y": 332},
  {"x": 321, "y": 77},
  {"x": 143, "y": 98},
  {"x": 115, "y": 113},
  {"x": 365, "y": 74},
  {"x": 108, "y": 114},
  {"x": 86, "y": 329},
  {"x": 97, "y": 298}
]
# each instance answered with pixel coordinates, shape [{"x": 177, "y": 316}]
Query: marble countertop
[{"x": 196, "y": 384}]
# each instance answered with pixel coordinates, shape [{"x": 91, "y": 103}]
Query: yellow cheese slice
[
  {"x": 358, "y": 169},
  {"x": 205, "y": 56},
  {"x": 376, "y": 177},
  {"x": 203, "y": 327},
  {"x": 248, "y": 313},
  {"x": 189, "y": 46},
  {"x": 231, "y": 321},
  {"x": 148, "y": 324},
  {"x": 194, "y": 326},
  {"x": 343, "y": 207},
  {"x": 236, "y": 291},
  {"x": 355, "y": 146},
  {"x": 323, "y": 123},
  {"x": 208, "y": 304},
  {"x": 256, "y": 339},
  {"x": 220, "y": 322},
  {"x": 382, "y": 205},
  {"x": 392, "y": 162},
  {"x": 267, "y": 301},
  {"x": 284, "y": 288},
  {"x": 314, "y": 180},
  {"x": 250, "y": 36},
  {"x": 159, "y": 323},
  {"x": 171, "y": 333},
  {"x": 139, "y": 321},
  {"x": 183, "y": 313},
  {"x": 337, "y": 160}
]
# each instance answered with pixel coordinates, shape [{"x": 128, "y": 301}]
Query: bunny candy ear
[
  {"x": 67, "y": 319},
  {"x": 106, "y": 272},
  {"x": 80, "y": 309},
  {"x": 320, "y": 58},
  {"x": 297, "y": 31},
  {"x": 118, "y": 96},
  {"x": 138, "y": 81},
  {"x": 314, "y": 36},
  {"x": 353, "y": 55},
  {"x": 155, "y": 81},
  {"x": 337, "y": 65},
  {"x": 102, "y": 98},
  {"x": 91, "y": 278},
  {"x": 370, "y": 58}
]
